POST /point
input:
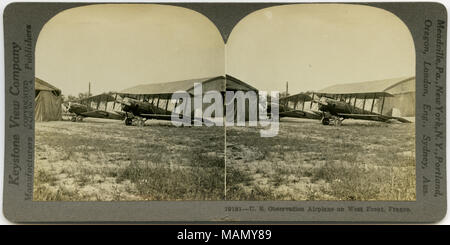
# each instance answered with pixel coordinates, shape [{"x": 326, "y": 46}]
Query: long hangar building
[{"x": 403, "y": 89}]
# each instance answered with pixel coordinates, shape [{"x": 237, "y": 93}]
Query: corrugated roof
[
  {"x": 167, "y": 88},
  {"x": 365, "y": 87},
  {"x": 42, "y": 85}
]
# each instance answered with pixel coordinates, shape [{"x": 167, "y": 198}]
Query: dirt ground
[
  {"x": 361, "y": 160},
  {"x": 104, "y": 160}
]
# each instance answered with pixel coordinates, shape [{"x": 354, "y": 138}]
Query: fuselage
[
  {"x": 77, "y": 108},
  {"x": 336, "y": 107},
  {"x": 137, "y": 107},
  {"x": 85, "y": 111}
]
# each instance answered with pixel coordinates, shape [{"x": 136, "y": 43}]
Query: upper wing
[
  {"x": 301, "y": 97},
  {"x": 287, "y": 110},
  {"x": 147, "y": 96},
  {"x": 365, "y": 95},
  {"x": 105, "y": 97},
  {"x": 97, "y": 103}
]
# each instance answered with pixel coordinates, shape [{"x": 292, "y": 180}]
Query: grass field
[
  {"x": 104, "y": 160},
  {"x": 308, "y": 161}
]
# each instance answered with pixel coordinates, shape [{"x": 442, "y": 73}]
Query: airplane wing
[
  {"x": 287, "y": 110},
  {"x": 156, "y": 116},
  {"x": 301, "y": 114},
  {"x": 296, "y": 97},
  {"x": 169, "y": 117},
  {"x": 357, "y": 111},
  {"x": 104, "y": 114},
  {"x": 365, "y": 95},
  {"x": 373, "y": 117},
  {"x": 105, "y": 97},
  {"x": 138, "y": 96}
]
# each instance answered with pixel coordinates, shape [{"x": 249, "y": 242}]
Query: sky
[
  {"x": 119, "y": 46},
  {"x": 311, "y": 46},
  {"x": 314, "y": 46}
]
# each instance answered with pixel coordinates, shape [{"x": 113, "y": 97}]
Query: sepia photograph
[
  {"x": 105, "y": 75},
  {"x": 347, "y": 105},
  {"x": 143, "y": 102}
]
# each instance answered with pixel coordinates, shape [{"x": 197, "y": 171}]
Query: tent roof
[
  {"x": 365, "y": 87},
  {"x": 42, "y": 85},
  {"x": 184, "y": 85}
]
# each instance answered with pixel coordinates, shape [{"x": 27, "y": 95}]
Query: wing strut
[
  {"x": 373, "y": 102},
  {"x": 382, "y": 105},
  {"x": 157, "y": 103},
  {"x": 114, "y": 104},
  {"x": 352, "y": 107},
  {"x": 364, "y": 104},
  {"x": 106, "y": 103},
  {"x": 167, "y": 104}
]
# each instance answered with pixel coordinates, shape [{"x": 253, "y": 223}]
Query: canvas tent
[{"x": 47, "y": 102}]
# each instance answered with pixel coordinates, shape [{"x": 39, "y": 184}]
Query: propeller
[
  {"x": 125, "y": 101},
  {"x": 321, "y": 101}
]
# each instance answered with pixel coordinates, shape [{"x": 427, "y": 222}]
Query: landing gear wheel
[
  {"x": 128, "y": 121},
  {"x": 325, "y": 121},
  {"x": 141, "y": 122},
  {"x": 79, "y": 119},
  {"x": 73, "y": 119}
]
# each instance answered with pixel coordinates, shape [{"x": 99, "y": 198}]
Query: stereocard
[{"x": 361, "y": 112}]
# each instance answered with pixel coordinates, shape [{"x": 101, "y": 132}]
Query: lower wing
[
  {"x": 169, "y": 118},
  {"x": 301, "y": 114},
  {"x": 104, "y": 114},
  {"x": 373, "y": 117}
]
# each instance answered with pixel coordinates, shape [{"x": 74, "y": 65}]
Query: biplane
[
  {"x": 145, "y": 109},
  {"x": 332, "y": 108},
  {"x": 154, "y": 101},
  {"x": 95, "y": 107}
]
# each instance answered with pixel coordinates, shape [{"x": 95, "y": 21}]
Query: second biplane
[
  {"x": 334, "y": 108},
  {"x": 95, "y": 107}
]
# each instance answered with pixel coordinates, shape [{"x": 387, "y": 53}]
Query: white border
[{"x": 4, "y": 3}]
